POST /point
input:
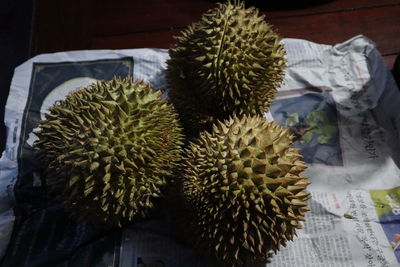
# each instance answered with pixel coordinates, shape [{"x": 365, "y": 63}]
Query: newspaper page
[{"x": 340, "y": 100}]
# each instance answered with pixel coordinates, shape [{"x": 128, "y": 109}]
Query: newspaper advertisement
[{"x": 340, "y": 100}]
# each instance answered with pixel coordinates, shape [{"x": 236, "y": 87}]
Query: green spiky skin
[
  {"x": 231, "y": 61},
  {"x": 244, "y": 182},
  {"x": 108, "y": 149}
]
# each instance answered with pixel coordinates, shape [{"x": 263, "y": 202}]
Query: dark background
[
  {"x": 32, "y": 27},
  {"x": 15, "y": 36}
]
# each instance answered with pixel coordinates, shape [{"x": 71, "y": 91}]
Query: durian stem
[{"x": 220, "y": 48}]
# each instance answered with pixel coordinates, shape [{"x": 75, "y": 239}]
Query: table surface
[{"x": 104, "y": 24}]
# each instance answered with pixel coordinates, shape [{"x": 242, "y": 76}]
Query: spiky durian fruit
[
  {"x": 231, "y": 61},
  {"x": 109, "y": 148},
  {"x": 245, "y": 185}
]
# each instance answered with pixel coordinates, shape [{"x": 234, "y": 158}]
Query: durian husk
[
  {"x": 231, "y": 61},
  {"x": 108, "y": 149},
  {"x": 245, "y": 185}
]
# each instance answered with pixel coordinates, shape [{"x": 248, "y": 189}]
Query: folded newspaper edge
[{"x": 355, "y": 180}]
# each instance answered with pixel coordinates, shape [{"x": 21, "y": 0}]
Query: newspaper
[{"x": 341, "y": 100}]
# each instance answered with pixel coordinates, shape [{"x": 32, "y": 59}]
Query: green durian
[
  {"x": 244, "y": 184},
  {"x": 109, "y": 148},
  {"x": 231, "y": 61}
]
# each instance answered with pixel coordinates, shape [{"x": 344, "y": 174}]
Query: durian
[
  {"x": 244, "y": 183},
  {"x": 231, "y": 61},
  {"x": 108, "y": 149}
]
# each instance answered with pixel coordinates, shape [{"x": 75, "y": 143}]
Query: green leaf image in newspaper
[
  {"x": 386, "y": 201},
  {"x": 292, "y": 119},
  {"x": 316, "y": 122},
  {"x": 387, "y": 206},
  {"x": 312, "y": 118}
]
